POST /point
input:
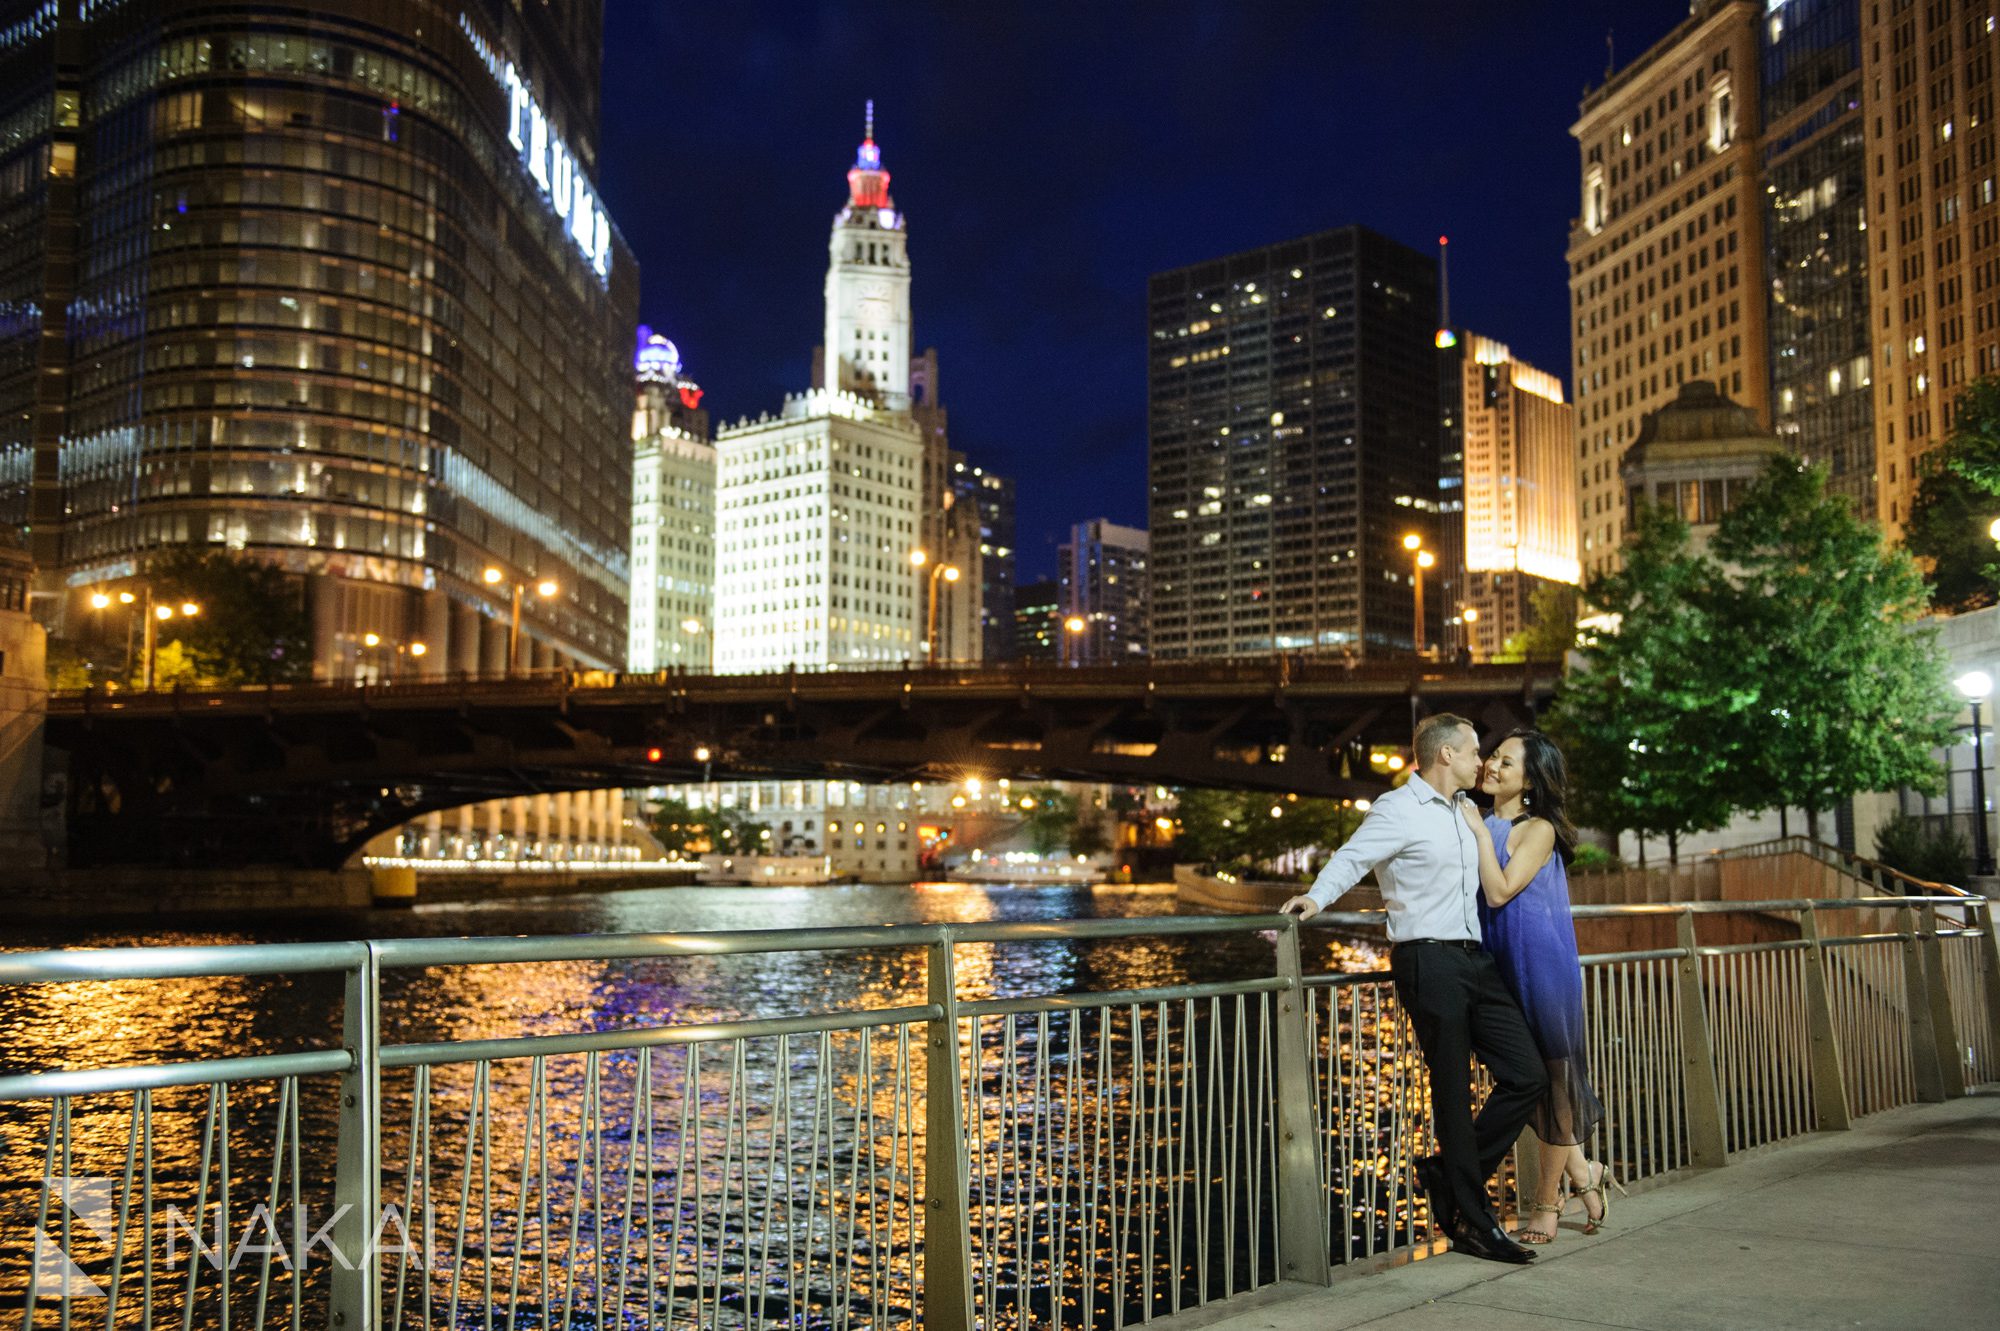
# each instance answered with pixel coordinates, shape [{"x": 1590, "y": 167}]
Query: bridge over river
[{"x": 306, "y": 775}]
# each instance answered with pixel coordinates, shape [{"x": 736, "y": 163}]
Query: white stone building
[{"x": 672, "y": 606}]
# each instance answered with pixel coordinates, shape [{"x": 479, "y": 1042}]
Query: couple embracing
[{"x": 1484, "y": 959}]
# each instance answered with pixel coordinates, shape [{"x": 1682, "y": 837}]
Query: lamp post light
[
  {"x": 1073, "y": 628},
  {"x": 1977, "y": 686},
  {"x": 545, "y": 589},
  {"x": 950, "y": 573},
  {"x": 1420, "y": 559},
  {"x": 694, "y": 628},
  {"x": 156, "y": 615}
]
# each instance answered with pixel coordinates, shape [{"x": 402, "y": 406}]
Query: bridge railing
[
  {"x": 1278, "y": 671},
  {"x": 1080, "y": 1159}
]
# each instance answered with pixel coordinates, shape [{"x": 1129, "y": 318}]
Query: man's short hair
[{"x": 1435, "y": 733}]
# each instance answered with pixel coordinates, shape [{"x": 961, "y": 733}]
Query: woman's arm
[{"x": 1538, "y": 842}]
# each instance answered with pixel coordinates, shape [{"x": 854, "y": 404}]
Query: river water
[{"x": 857, "y": 1095}]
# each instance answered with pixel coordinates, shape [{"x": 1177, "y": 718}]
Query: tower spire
[
  {"x": 867, "y": 182},
  {"x": 1445, "y": 336}
]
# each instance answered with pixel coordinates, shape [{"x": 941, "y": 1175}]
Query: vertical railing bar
[
  {"x": 1041, "y": 1131},
  {"x": 631, "y": 1189},
  {"x": 285, "y": 1088},
  {"x": 1120, "y": 1203},
  {"x": 409, "y": 1193},
  {"x": 985, "y": 1165},
  {"x": 480, "y": 1072},
  {"x": 947, "y": 1269},
  {"x": 687, "y": 1138},
  {"x": 146, "y": 1217},
  {"x": 1007, "y": 1164},
  {"x": 122, "y": 1232},
  {"x": 357, "y": 1290},
  {"x": 201, "y": 1201},
  {"x": 537, "y": 1106}
]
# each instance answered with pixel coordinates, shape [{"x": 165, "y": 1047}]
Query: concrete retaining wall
[{"x": 79, "y": 894}]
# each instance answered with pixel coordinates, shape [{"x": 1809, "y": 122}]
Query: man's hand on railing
[{"x": 1302, "y": 906}]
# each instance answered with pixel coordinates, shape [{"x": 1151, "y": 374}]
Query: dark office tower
[
  {"x": 329, "y": 285},
  {"x": 1102, "y": 574},
  {"x": 1815, "y": 178},
  {"x": 992, "y": 498},
  {"x": 1038, "y": 628},
  {"x": 1294, "y": 443}
]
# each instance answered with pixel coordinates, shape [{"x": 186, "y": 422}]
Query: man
[{"x": 1424, "y": 857}]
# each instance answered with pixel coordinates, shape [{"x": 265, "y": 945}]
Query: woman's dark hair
[{"x": 1546, "y": 792}]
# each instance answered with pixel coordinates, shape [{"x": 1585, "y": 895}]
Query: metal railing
[
  {"x": 1113, "y": 1156},
  {"x": 1240, "y": 673},
  {"x": 1884, "y": 878}
]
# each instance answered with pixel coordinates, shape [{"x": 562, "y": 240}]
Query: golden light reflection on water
[{"x": 817, "y": 1138}]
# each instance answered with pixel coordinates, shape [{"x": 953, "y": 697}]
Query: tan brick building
[
  {"x": 1666, "y": 268},
  {"x": 1927, "y": 77}
]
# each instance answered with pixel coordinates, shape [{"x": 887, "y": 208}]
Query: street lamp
[
  {"x": 1420, "y": 559},
  {"x": 545, "y": 589},
  {"x": 1073, "y": 628},
  {"x": 950, "y": 573},
  {"x": 1977, "y": 686},
  {"x": 156, "y": 615}
]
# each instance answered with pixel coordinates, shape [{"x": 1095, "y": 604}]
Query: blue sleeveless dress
[{"x": 1534, "y": 941}]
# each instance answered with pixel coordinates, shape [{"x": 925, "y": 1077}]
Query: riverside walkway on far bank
[{"x": 1887, "y": 1225}]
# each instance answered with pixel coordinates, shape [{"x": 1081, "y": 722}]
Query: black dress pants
[{"x": 1461, "y": 1008}]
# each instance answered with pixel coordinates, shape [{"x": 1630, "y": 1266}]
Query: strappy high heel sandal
[
  {"x": 1599, "y": 1178},
  {"x": 1525, "y": 1235}
]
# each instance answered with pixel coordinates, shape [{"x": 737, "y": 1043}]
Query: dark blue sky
[{"x": 1052, "y": 155}]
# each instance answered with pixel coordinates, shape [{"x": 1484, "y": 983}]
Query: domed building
[{"x": 1696, "y": 456}]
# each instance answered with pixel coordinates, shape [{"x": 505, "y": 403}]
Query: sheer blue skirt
[{"x": 1533, "y": 940}]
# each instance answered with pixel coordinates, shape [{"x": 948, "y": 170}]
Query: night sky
[{"x": 1051, "y": 156}]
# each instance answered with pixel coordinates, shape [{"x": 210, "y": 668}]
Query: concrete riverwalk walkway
[{"x": 1889, "y": 1225}]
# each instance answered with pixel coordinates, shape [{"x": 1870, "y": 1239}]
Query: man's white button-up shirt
[{"x": 1425, "y": 858}]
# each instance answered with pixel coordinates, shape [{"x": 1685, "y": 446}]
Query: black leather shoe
[
  {"x": 1430, "y": 1177},
  {"x": 1486, "y": 1239}
]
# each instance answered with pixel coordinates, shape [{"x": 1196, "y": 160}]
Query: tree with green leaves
[
  {"x": 1551, "y": 630},
  {"x": 1950, "y": 522},
  {"x": 1646, "y": 722},
  {"x": 253, "y": 627},
  {"x": 1972, "y": 450},
  {"x": 1048, "y": 814},
  {"x": 1948, "y": 530},
  {"x": 1836, "y": 690},
  {"x": 1250, "y": 830},
  {"x": 679, "y": 827}
]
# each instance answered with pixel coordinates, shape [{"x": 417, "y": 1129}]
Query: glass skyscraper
[
  {"x": 330, "y": 285},
  {"x": 1294, "y": 438},
  {"x": 1815, "y": 232}
]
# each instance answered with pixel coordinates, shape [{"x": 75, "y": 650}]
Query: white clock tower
[{"x": 868, "y": 287}]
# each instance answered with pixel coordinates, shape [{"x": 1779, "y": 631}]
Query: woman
[{"x": 1524, "y": 917}]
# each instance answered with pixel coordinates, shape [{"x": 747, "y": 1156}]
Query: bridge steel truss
[{"x": 307, "y": 775}]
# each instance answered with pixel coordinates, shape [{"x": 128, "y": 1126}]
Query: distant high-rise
[
  {"x": 1928, "y": 76},
  {"x": 1293, "y": 429},
  {"x": 331, "y": 286},
  {"x": 1519, "y": 519},
  {"x": 1038, "y": 623},
  {"x": 1103, "y": 581},
  {"x": 991, "y": 497},
  {"x": 1666, "y": 256},
  {"x": 1817, "y": 236},
  {"x": 673, "y": 516}
]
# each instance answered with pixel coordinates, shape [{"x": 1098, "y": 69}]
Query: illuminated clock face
[{"x": 875, "y": 301}]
